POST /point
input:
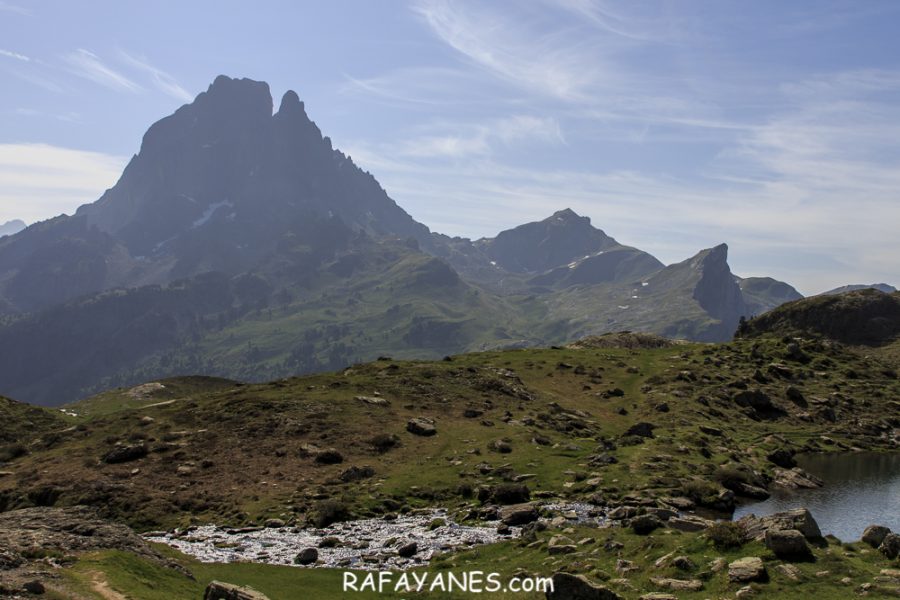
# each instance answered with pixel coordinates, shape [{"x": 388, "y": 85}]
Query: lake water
[{"x": 861, "y": 489}]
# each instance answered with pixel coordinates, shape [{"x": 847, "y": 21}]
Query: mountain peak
[
  {"x": 291, "y": 103},
  {"x": 567, "y": 214},
  {"x": 244, "y": 95}
]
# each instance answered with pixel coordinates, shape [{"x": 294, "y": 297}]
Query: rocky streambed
[
  {"x": 401, "y": 543},
  {"x": 398, "y": 543}
]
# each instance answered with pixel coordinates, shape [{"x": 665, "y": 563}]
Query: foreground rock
[
  {"x": 747, "y": 569},
  {"x": 519, "y": 514},
  {"x": 218, "y": 590},
  {"x": 578, "y": 587},
  {"x": 421, "y": 426},
  {"x": 874, "y": 535},
  {"x": 799, "y": 519},
  {"x": 890, "y": 546},
  {"x": 788, "y": 544}
]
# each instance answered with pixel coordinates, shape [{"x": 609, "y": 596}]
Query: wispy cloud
[
  {"x": 70, "y": 117},
  {"x": 37, "y": 180},
  {"x": 88, "y": 65},
  {"x": 161, "y": 80},
  {"x": 540, "y": 61},
  {"x": 477, "y": 139},
  {"x": 15, "y": 8},
  {"x": 15, "y": 55}
]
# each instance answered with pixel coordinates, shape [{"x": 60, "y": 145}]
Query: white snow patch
[
  {"x": 623, "y": 307},
  {"x": 208, "y": 213},
  {"x": 645, "y": 283}
]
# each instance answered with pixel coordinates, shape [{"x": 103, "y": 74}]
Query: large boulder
[
  {"x": 747, "y": 569},
  {"x": 890, "y": 546},
  {"x": 799, "y": 518},
  {"x": 307, "y": 556},
  {"x": 874, "y": 535},
  {"x": 519, "y": 514},
  {"x": 421, "y": 426},
  {"x": 645, "y": 524},
  {"x": 796, "y": 478},
  {"x": 788, "y": 544},
  {"x": 578, "y": 587},
  {"x": 218, "y": 590}
]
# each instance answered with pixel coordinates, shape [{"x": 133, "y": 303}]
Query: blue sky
[{"x": 772, "y": 126}]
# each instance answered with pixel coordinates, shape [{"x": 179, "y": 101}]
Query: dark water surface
[{"x": 861, "y": 489}]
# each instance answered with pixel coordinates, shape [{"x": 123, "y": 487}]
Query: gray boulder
[
  {"x": 788, "y": 544},
  {"x": 874, "y": 535},
  {"x": 218, "y": 590},
  {"x": 421, "y": 426},
  {"x": 578, "y": 587},
  {"x": 307, "y": 556},
  {"x": 747, "y": 569},
  {"x": 890, "y": 546}
]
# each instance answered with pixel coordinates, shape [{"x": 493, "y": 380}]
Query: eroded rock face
[{"x": 578, "y": 587}]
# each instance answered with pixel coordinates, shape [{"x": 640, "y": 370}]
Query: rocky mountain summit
[{"x": 238, "y": 242}]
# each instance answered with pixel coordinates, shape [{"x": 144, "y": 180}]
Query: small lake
[{"x": 861, "y": 489}]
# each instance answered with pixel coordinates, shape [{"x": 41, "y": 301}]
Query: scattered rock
[
  {"x": 518, "y": 514},
  {"x": 689, "y": 523},
  {"x": 122, "y": 454},
  {"x": 218, "y": 590},
  {"x": 875, "y": 534},
  {"x": 783, "y": 458},
  {"x": 749, "y": 568},
  {"x": 561, "y": 545},
  {"x": 890, "y": 546},
  {"x": 645, "y": 524},
  {"x": 329, "y": 456},
  {"x": 421, "y": 426},
  {"x": 644, "y": 430},
  {"x": 788, "y": 544},
  {"x": 790, "y": 571},
  {"x": 372, "y": 400},
  {"x": 677, "y": 585},
  {"x": 34, "y": 587},
  {"x": 355, "y": 473},
  {"x": 307, "y": 556},
  {"x": 578, "y": 587},
  {"x": 799, "y": 518},
  {"x": 796, "y": 478}
]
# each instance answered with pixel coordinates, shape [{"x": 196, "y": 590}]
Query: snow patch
[{"x": 208, "y": 213}]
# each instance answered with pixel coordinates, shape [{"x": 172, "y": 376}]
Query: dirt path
[{"x": 101, "y": 586}]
